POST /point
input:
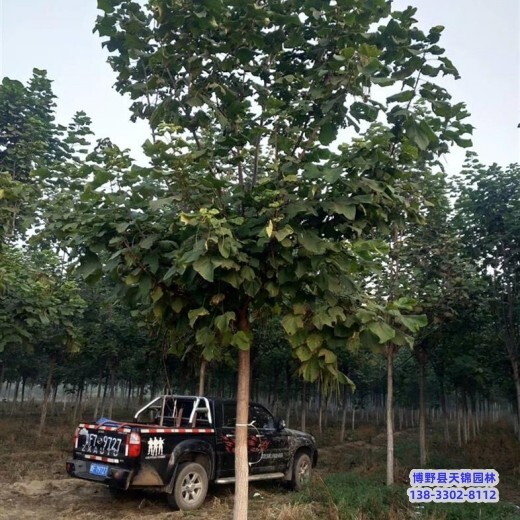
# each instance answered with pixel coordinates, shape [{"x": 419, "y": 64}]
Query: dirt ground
[{"x": 34, "y": 485}]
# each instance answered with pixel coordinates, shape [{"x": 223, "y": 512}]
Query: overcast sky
[{"x": 482, "y": 38}]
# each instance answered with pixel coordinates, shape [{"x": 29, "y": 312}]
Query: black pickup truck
[{"x": 179, "y": 444}]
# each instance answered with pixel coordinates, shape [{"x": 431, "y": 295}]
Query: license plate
[{"x": 101, "y": 470}]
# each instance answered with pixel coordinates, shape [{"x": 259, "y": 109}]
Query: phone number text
[{"x": 454, "y": 494}]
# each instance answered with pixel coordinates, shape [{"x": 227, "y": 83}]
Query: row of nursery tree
[{"x": 258, "y": 251}]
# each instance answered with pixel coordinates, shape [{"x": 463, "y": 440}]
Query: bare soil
[{"x": 34, "y": 485}]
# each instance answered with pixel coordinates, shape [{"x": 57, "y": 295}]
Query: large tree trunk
[
  {"x": 241, "y": 457},
  {"x": 390, "y": 353}
]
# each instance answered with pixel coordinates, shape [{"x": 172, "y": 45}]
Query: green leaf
[
  {"x": 148, "y": 242},
  {"x": 107, "y": 5},
  {"x": 328, "y": 355},
  {"x": 310, "y": 370},
  {"x": 178, "y": 304},
  {"x": 303, "y": 353},
  {"x": 157, "y": 293},
  {"x": 405, "y": 95},
  {"x": 159, "y": 203},
  {"x": 222, "y": 321},
  {"x": 292, "y": 324},
  {"x": 242, "y": 340},
  {"x": 328, "y": 133},
  {"x": 314, "y": 341},
  {"x": 414, "y": 323},
  {"x": 122, "y": 227},
  {"x": 89, "y": 265},
  {"x": 382, "y": 330},
  {"x": 342, "y": 208},
  {"x": 269, "y": 229},
  {"x": 224, "y": 247},
  {"x": 194, "y": 314},
  {"x": 311, "y": 242},
  {"x": 283, "y": 233},
  {"x": 204, "y": 267}
]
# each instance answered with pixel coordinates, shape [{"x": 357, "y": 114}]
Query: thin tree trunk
[
  {"x": 77, "y": 404},
  {"x": 289, "y": 397},
  {"x": 46, "y": 396},
  {"x": 105, "y": 391},
  {"x": 320, "y": 409},
  {"x": 421, "y": 360},
  {"x": 304, "y": 407},
  {"x": 2, "y": 372},
  {"x": 459, "y": 427},
  {"x": 343, "y": 416},
  {"x": 390, "y": 415},
  {"x": 24, "y": 381},
  {"x": 444, "y": 414},
  {"x": 516, "y": 377},
  {"x": 98, "y": 397},
  {"x": 140, "y": 398},
  {"x": 16, "y": 389},
  {"x": 112, "y": 391},
  {"x": 129, "y": 395},
  {"x": 202, "y": 376},
  {"x": 54, "y": 397}
]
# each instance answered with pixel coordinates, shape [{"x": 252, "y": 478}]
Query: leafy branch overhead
[{"x": 246, "y": 209}]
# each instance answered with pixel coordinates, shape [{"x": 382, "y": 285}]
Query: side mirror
[{"x": 280, "y": 424}]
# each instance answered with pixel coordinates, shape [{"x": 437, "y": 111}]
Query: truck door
[{"x": 267, "y": 445}]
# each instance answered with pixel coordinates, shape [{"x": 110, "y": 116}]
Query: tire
[
  {"x": 302, "y": 470},
  {"x": 190, "y": 488}
]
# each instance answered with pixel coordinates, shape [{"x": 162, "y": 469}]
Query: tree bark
[
  {"x": 202, "y": 375},
  {"x": 390, "y": 415},
  {"x": 98, "y": 397},
  {"x": 240, "y": 509},
  {"x": 343, "y": 416},
  {"x": 516, "y": 378},
  {"x": 241, "y": 458},
  {"x": 24, "y": 381},
  {"x": 112, "y": 391},
  {"x": 46, "y": 396},
  {"x": 421, "y": 360},
  {"x": 445, "y": 417},
  {"x": 2, "y": 372},
  {"x": 304, "y": 407}
]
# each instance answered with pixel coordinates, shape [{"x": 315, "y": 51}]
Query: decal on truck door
[
  {"x": 155, "y": 448},
  {"x": 255, "y": 444}
]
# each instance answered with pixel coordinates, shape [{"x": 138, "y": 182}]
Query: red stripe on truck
[{"x": 176, "y": 430}]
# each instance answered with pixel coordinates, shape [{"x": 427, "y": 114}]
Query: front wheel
[
  {"x": 191, "y": 486},
  {"x": 302, "y": 469}
]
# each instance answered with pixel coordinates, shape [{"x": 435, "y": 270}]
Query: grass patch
[
  {"x": 347, "y": 496},
  {"x": 498, "y": 511},
  {"x": 350, "y": 496}
]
